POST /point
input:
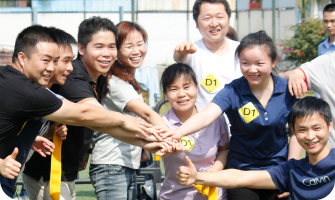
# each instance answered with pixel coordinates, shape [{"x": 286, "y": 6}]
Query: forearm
[
  {"x": 233, "y": 178},
  {"x": 121, "y": 134},
  {"x": 200, "y": 120},
  {"x": 155, "y": 119},
  {"x": 295, "y": 149},
  {"x": 181, "y": 58},
  {"x": 221, "y": 160}
]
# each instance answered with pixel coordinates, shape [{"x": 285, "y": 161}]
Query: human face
[
  {"x": 132, "y": 50},
  {"x": 256, "y": 65},
  {"x": 312, "y": 133},
  {"x": 41, "y": 64},
  {"x": 329, "y": 22},
  {"x": 64, "y": 67},
  {"x": 99, "y": 54},
  {"x": 213, "y": 22},
  {"x": 182, "y": 94}
]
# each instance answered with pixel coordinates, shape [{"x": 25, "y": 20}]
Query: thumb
[
  {"x": 189, "y": 162},
  {"x": 15, "y": 152}
]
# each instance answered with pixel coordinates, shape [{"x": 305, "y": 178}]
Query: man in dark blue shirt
[{"x": 310, "y": 178}]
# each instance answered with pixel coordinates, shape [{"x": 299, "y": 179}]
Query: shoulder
[
  {"x": 116, "y": 83},
  {"x": 322, "y": 41},
  {"x": 233, "y": 44}
]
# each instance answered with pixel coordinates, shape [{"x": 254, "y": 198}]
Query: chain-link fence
[{"x": 168, "y": 22}]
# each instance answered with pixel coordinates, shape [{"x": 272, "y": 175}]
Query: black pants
[{"x": 253, "y": 194}]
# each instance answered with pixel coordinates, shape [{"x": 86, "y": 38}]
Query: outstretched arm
[
  {"x": 230, "y": 178},
  {"x": 196, "y": 122},
  {"x": 93, "y": 116}
]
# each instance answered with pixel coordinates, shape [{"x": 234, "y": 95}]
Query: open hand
[{"x": 43, "y": 146}]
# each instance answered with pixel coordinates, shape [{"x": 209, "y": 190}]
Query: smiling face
[
  {"x": 213, "y": 22},
  {"x": 256, "y": 65},
  {"x": 312, "y": 133},
  {"x": 99, "y": 54},
  {"x": 41, "y": 64},
  {"x": 329, "y": 22},
  {"x": 182, "y": 94},
  {"x": 64, "y": 67},
  {"x": 132, "y": 51}
]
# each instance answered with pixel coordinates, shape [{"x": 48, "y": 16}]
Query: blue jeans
[{"x": 113, "y": 182}]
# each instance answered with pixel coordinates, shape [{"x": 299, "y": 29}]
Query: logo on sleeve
[
  {"x": 188, "y": 143},
  {"x": 315, "y": 181},
  {"x": 248, "y": 112},
  {"x": 210, "y": 83}
]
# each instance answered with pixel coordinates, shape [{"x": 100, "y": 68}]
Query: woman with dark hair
[
  {"x": 113, "y": 163},
  {"x": 232, "y": 34}
]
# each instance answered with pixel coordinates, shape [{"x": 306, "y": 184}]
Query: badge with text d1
[
  {"x": 210, "y": 83},
  {"x": 248, "y": 112},
  {"x": 188, "y": 143}
]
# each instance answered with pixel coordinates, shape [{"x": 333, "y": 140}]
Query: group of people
[{"x": 226, "y": 128}]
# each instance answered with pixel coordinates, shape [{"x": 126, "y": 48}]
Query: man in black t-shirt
[
  {"x": 34, "y": 59},
  {"x": 97, "y": 53}
]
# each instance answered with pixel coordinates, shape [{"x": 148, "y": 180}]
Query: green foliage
[{"x": 303, "y": 47}]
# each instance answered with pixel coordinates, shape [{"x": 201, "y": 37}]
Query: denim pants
[{"x": 113, "y": 182}]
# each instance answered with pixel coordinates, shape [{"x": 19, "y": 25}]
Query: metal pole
[
  {"x": 133, "y": 10},
  {"x": 188, "y": 21},
  {"x": 279, "y": 35},
  {"x": 34, "y": 15},
  {"x": 274, "y": 20},
  {"x": 84, "y": 9},
  {"x": 120, "y": 13}
]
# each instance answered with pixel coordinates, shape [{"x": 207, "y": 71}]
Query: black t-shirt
[
  {"x": 21, "y": 99},
  {"x": 78, "y": 87}
]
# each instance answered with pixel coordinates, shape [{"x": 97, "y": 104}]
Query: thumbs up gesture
[
  {"x": 187, "y": 175},
  {"x": 9, "y": 167}
]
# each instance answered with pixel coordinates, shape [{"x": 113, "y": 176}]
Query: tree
[{"x": 303, "y": 47}]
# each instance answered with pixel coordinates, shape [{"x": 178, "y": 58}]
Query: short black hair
[
  {"x": 307, "y": 107},
  {"x": 172, "y": 72},
  {"x": 90, "y": 26},
  {"x": 197, "y": 5},
  {"x": 260, "y": 39},
  {"x": 329, "y": 8},
  {"x": 27, "y": 39},
  {"x": 63, "y": 38}
]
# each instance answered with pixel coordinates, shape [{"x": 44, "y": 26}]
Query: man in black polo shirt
[{"x": 34, "y": 59}]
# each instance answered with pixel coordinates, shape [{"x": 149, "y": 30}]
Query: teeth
[
  {"x": 137, "y": 58},
  {"x": 104, "y": 62},
  {"x": 311, "y": 143}
]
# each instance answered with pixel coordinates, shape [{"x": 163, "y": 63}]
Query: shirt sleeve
[
  {"x": 40, "y": 102},
  {"x": 317, "y": 70},
  {"x": 223, "y": 98},
  {"x": 279, "y": 177},
  {"x": 121, "y": 93},
  {"x": 75, "y": 89}
]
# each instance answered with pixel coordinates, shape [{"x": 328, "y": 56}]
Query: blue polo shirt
[
  {"x": 258, "y": 135},
  {"x": 305, "y": 181},
  {"x": 324, "y": 47}
]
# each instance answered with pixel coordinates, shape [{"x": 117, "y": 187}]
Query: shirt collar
[
  {"x": 173, "y": 119},
  {"x": 83, "y": 70},
  {"x": 326, "y": 42},
  {"x": 278, "y": 86}
]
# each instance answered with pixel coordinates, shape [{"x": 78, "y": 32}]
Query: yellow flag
[{"x": 56, "y": 168}]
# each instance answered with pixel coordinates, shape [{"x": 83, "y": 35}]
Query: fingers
[
  {"x": 185, "y": 48},
  {"x": 285, "y": 194},
  {"x": 189, "y": 162},
  {"x": 14, "y": 154},
  {"x": 62, "y": 131}
]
